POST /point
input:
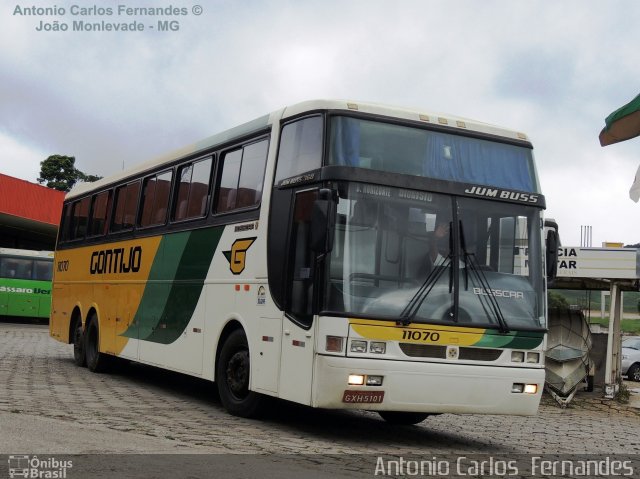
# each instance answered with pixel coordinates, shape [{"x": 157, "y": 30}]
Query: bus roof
[{"x": 441, "y": 120}]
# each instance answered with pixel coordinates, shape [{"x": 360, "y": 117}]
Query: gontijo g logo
[{"x": 238, "y": 254}]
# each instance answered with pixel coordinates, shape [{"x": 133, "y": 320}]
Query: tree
[
  {"x": 557, "y": 300},
  {"x": 60, "y": 173}
]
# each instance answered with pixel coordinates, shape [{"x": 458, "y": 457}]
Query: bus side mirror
[
  {"x": 552, "y": 254},
  {"x": 322, "y": 222}
]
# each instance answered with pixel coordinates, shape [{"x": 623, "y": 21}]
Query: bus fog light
[
  {"x": 517, "y": 388},
  {"x": 533, "y": 358},
  {"x": 374, "y": 380},
  {"x": 530, "y": 388},
  {"x": 377, "y": 347},
  {"x": 517, "y": 356},
  {"x": 334, "y": 344},
  {"x": 358, "y": 346},
  {"x": 356, "y": 379}
]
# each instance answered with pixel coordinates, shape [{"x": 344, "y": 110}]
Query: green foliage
[
  {"x": 60, "y": 173},
  {"x": 591, "y": 299},
  {"x": 623, "y": 394},
  {"x": 557, "y": 301}
]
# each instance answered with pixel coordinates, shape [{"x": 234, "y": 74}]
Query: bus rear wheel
[
  {"x": 79, "y": 357},
  {"x": 403, "y": 418},
  {"x": 233, "y": 371},
  {"x": 96, "y": 361}
]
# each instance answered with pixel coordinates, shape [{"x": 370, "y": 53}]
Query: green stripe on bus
[
  {"x": 514, "y": 340},
  {"x": 174, "y": 285}
]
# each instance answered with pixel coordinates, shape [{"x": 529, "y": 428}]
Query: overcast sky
[{"x": 552, "y": 69}]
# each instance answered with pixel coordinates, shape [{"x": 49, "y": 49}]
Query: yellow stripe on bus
[
  {"x": 417, "y": 333},
  {"x": 108, "y": 277}
]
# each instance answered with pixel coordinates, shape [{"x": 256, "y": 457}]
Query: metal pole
[{"x": 612, "y": 366}]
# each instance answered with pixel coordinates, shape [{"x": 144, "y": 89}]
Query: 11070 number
[{"x": 420, "y": 335}]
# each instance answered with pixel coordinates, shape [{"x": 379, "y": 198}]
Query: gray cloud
[{"x": 552, "y": 70}]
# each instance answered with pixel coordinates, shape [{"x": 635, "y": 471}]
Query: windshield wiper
[
  {"x": 410, "y": 311},
  {"x": 471, "y": 263}
]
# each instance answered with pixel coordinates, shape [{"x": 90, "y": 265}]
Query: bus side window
[
  {"x": 301, "y": 266},
  {"x": 7, "y": 270},
  {"x": 242, "y": 177},
  {"x": 65, "y": 226},
  {"x": 99, "y": 211},
  {"x": 126, "y": 204},
  {"x": 254, "y": 160},
  {"x": 155, "y": 199},
  {"x": 18, "y": 268},
  {"x": 193, "y": 190},
  {"x": 300, "y": 147},
  {"x": 43, "y": 270},
  {"x": 80, "y": 218}
]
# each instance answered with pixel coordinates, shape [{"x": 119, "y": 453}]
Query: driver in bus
[{"x": 440, "y": 243}]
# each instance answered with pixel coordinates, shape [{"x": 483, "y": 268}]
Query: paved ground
[{"x": 48, "y": 405}]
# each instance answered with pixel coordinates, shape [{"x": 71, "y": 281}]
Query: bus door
[{"x": 296, "y": 369}]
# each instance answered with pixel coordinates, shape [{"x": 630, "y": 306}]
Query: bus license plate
[{"x": 370, "y": 397}]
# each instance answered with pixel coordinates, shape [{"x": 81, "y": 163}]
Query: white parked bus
[{"x": 334, "y": 254}]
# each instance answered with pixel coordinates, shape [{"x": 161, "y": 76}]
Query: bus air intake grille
[
  {"x": 480, "y": 354},
  {"x": 431, "y": 351},
  {"x": 423, "y": 350}
]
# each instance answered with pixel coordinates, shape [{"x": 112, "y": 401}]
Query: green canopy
[{"x": 623, "y": 124}]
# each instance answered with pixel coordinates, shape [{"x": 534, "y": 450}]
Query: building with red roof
[{"x": 29, "y": 214}]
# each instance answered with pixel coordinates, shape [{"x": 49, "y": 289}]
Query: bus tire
[
  {"x": 232, "y": 377},
  {"x": 402, "y": 418},
  {"x": 79, "y": 357},
  {"x": 96, "y": 361}
]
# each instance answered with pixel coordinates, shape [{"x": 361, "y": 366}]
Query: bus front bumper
[{"x": 426, "y": 387}]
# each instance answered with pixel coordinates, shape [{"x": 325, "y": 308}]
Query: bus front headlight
[{"x": 358, "y": 346}]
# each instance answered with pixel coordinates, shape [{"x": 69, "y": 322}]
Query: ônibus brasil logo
[{"x": 34, "y": 467}]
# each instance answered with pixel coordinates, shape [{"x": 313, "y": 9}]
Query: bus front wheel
[
  {"x": 96, "y": 361},
  {"x": 403, "y": 418},
  {"x": 79, "y": 357},
  {"x": 233, "y": 371}
]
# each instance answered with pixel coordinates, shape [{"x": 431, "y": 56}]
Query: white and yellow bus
[{"x": 334, "y": 254}]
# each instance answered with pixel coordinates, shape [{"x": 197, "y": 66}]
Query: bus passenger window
[
  {"x": 65, "y": 226},
  {"x": 155, "y": 199},
  {"x": 7, "y": 268},
  {"x": 99, "y": 212},
  {"x": 229, "y": 181},
  {"x": 80, "y": 218},
  {"x": 43, "y": 270},
  {"x": 125, "y": 207},
  {"x": 193, "y": 190},
  {"x": 242, "y": 177},
  {"x": 17, "y": 268},
  {"x": 254, "y": 159}
]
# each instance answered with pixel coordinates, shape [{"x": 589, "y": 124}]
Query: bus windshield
[
  {"x": 435, "y": 154},
  {"x": 417, "y": 256}
]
